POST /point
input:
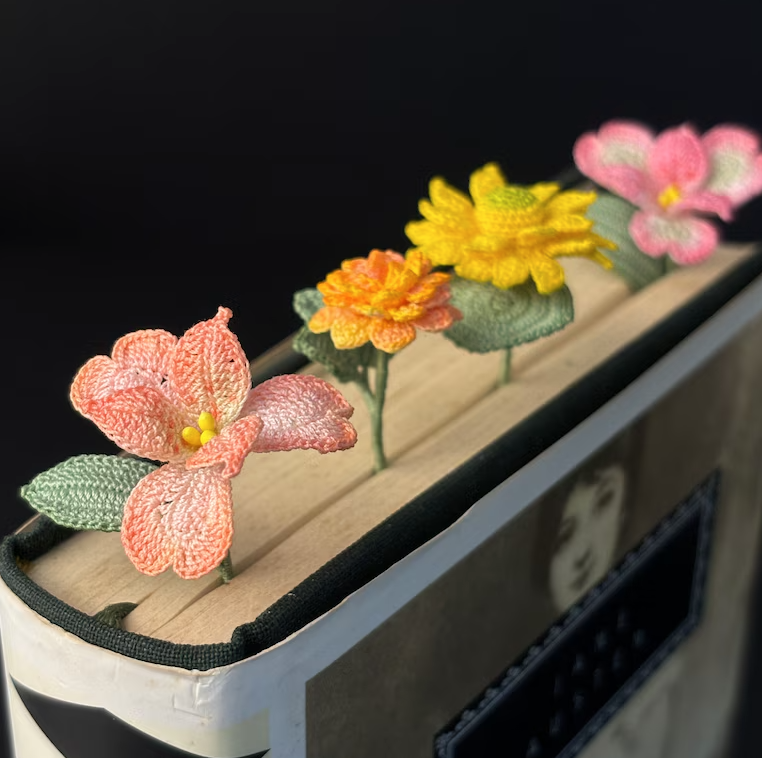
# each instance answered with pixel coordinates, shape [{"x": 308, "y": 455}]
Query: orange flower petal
[
  {"x": 148, "y": 349},
  {"x": 180, "y": 517},
  {"x": 438, "y": 319},
  {"x": 142, "y": 421},
  {"x": 300, "y": 412},
  {"x": 391, "y": 336},
  {"x": 323, "y": 319},
  {"x": 230, "y": 447},
  {"x": 208, "y": 370},
  {"x": 350, "y": 330}
]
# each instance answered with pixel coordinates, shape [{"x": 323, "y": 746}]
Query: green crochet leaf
[
  {"x": 612, "y": 217},
  {"x": 307, "y": 303},
  {"x": 495, "y": 319},
  {"x": 345, "y": 365},
  {"x": 87, "y": 491}
]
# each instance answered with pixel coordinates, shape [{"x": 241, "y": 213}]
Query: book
[{"x": 363, "y": 619}]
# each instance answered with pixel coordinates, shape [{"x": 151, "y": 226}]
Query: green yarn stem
[
  {"x": 226, "y": 569},
  {"x": 670, "y": 265},
  {"x": 374, "y": 400},
  {"x": 504, "y": 377}
]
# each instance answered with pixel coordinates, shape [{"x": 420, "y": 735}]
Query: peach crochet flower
[
  {"x": 672, "y": 178},
  {"x": 189, "y": 403},
  {"x": 508, "y": 233},
  {"x": 383, "y": 298}
]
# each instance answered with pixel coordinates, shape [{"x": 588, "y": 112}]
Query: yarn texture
[
  {"x": 506, "y": 234},
  {"x": 674, "y": 178},
  {"x": 87, "y": 491},
  {"x": 495, "y": 319},
  {"x": 188, "y": 402}
]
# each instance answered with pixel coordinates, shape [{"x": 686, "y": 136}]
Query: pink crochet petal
[
  {"x": 181, "y": 518},
  {"x": 685, "y": 239},
  {"x": 705, "y": 202},
  {"x": 230, "y": 447},
  {"x": 616, "y": 157},
  {"x": 142, "y": 421},
  {"x": 678, "y": 158},
  {"x": 149, "y": 349},
  {"x": 300, "y": 412},
  {"x": 208, "y": 370},
  {"x": 100, "y": 377},
  {"x": 439, "y": 318},
  {"x": 736, "y": 163}
]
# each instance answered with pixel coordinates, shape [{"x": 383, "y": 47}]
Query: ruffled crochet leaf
[
  {"x": 87, "y": 491},
  {"x": 612, "y": 217},
  {"x": 496, "y": 319},
  {"x": 345, "y": 365},
  {"x": 307, "y": 303}
]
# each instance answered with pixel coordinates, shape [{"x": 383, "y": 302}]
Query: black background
[{"x": 158, "y": 159}]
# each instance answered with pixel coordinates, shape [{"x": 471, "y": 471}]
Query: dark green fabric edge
[{"x": 407, "y": 529}]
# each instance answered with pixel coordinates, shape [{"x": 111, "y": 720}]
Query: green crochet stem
[
  {"x": 504, "y": 377},
  {"x": 375, "y": 399},
  {"x": 113, "y": 615},
  {"x": 226, "y": 569},
  {"x": 669, "y": 265}
]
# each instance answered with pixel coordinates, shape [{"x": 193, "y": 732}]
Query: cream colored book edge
[{"x": 294, "y": 513}]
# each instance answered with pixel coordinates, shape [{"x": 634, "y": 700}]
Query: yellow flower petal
[
  {"x": 544, "y": 190},
  {"x": 547, "y": 274},
  {"x": 448, "y": 198},
  {"x": 476, "y": 268},
  {"x": 322, "y": 320},
  {"x": 570, "y": 202},
  {"x": 350, "y": 330},
  {"x": 571, "y": 224},
  {"x": 510, "y": 272},
  {"x": 485, "y": 180},
  {"x": 443, "y": 252}
]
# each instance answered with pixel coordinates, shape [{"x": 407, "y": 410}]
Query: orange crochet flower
[
  {"x": 189, "y": 402},
  {"x": 383, "y": 298}
]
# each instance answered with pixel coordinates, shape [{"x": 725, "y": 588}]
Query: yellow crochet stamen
[
  {"x": 207, "y": 427},
  {"x": 669, "y": 196}
]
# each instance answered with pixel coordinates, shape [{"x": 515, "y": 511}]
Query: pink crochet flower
[
  {"x": 673, "y": 177},
  {"x": 189, "y": 402}
]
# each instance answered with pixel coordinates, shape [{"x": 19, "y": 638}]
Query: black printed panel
[{"x": 560, "y": 694}]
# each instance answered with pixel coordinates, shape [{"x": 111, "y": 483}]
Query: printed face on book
[{"x": 587, "y": 535}]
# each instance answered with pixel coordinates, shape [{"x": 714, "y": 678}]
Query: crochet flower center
[
  {"x": 670, "y": 196},
  {"x": 506, "y": 210},
  {"x": 207, "y": 430}
]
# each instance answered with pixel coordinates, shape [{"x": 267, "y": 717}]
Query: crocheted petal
[
  {"x": 391, "y": 336},
  {"x": 323, "y": 319},
  {"x": 548, "y": 274},
  {"x": 300, "y": 412},
  {"x": 208, "y": 370},
  {"x": 149, "y": 349},
  {"x": 448, "y": 198},
  {"x": 142, "y": 421},
  {"x": 438, "y": 319},
  {"x": 736, "y": 163},
  {"x": 544, "y": 191},
  {"x": 181, "y": 518},
  {"x": 485, "y": 180},
  {"x": 678, "y": 158},
  {"x": 706, "y": 202},
  {"x": 685, "y": 239},
  {"x": 230, "y": 447},
  {"x": 570, "y": 202},
  {"x": 613, "y": 164},
  {"x": 350, "y": 330},
  {"x": 509, "y": 272}
]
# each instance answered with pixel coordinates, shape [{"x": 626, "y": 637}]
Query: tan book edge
[{"x": 442, "y": 409}]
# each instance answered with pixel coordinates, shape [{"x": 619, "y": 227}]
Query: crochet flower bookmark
[
  {"x": 503, "y": 242},
  {"x": 188, "y": 404},
  {"x": 364, "y": 313},
  {"x": 665, "y": 189}
]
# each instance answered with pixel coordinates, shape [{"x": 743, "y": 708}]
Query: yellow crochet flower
[{"x": 508, "y": 233}]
